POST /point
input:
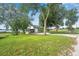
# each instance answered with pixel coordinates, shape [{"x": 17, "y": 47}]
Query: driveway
[{"x": 76, "y": 52}]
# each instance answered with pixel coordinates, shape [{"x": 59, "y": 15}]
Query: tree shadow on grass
[{"x": 3, "y": 36}]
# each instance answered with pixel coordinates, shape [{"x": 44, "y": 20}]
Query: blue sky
[{"x": 67, "y": 5}]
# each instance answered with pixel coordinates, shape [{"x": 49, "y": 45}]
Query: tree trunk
[
  {"x": 23, "y": 31},
  {"x": 45, "y": 22},
  {"x": 57, "y": 27},
  {"x": 16, "y": 32}
]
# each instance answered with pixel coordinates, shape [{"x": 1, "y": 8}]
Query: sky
[{"x": 36, "y": 17}]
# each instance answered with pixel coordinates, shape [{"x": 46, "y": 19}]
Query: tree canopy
[{"x": 51, "y": 14}]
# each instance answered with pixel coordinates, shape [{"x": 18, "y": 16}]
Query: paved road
[{"x": 76, "y": 52}]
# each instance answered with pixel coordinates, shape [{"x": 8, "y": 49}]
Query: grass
[
  {"x": 64, "y": 31},
  {"x": 77, "y": 30},
  {"x": 60, "y": 31},
  {"x": 34, "y": 45}
]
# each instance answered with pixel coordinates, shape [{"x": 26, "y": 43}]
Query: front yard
[{"x": 35, "y": 45}]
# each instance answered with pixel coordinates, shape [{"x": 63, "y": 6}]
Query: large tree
[
  {"x": 45, "y": 11},
  {"x": 24, "y": 23},
  {"x": 7, "y": 14},
  {"x": 56, "y": 15},
  {"x": 72, "y": 18},
  {"x": 14, "y": 17}
]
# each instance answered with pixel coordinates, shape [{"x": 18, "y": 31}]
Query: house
[{"x": 32, "y": 29}]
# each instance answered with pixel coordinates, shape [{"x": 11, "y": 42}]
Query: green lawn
[
  {"x": 60, "y": 31},
  {"x": 64, "y": 31},
  {"x": 34, "y": 45},
  {"x": 77, "y": 30}
]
